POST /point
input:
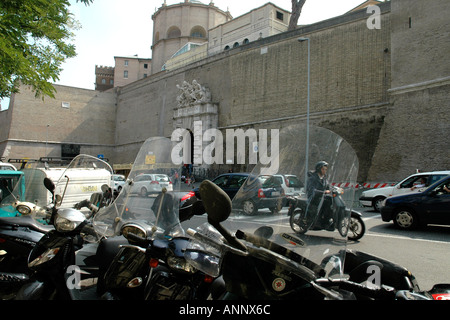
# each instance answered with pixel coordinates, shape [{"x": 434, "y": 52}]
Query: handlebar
[{"x": 272, "y": 246}]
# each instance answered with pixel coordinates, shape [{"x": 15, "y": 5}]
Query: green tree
[{"x": 35, "y": 40}]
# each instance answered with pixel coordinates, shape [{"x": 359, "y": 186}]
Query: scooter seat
[{"x": 26, "y": 221}]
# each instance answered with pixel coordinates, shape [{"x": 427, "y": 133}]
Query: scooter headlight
[
  {"x": 64, "y": 225},
  {"x": 180, "y": 264},
  {"x": 68, "y": 219},
  {"x": 134, "y": 229},
  {"x": 23, "y": 209}
]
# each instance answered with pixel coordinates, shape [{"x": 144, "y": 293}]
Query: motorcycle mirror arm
[
  {"x": 200, "y": 237},
  {"x": 218, "y": 206},
  {"x": 227, "y": 235},
  {"x": 383, "y": 292}
]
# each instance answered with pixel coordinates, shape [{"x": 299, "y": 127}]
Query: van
[
  {"x": 83, "y": 183},
  {"x": 28, "y": 186}
]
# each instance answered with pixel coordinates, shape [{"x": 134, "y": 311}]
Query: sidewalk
[{"x": 186, "y": 187}]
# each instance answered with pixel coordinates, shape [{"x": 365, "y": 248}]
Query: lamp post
[
  {"x": 307, "y": 108},
  {"x": 46, "y": 141}
]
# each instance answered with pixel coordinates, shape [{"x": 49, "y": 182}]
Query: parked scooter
[
  {"x": 151, "y": 265},
  {"x": 22, "y": 225},
  {"x": 288, "y": 266},
  {"x": 301, "y": 221},
  {"x": 56, "y": 252},
  {"x": 28, "y": 223}
]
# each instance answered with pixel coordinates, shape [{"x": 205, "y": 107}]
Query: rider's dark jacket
[{"x": 316, "y": 185}]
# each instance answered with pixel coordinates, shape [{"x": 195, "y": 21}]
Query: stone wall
[
  {"x": 264, "y": 84},
  {"x": 417, "y": 124},
  {"x": 76, "y": 116}
]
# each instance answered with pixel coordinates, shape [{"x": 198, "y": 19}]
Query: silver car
[
  {"x": 119, "y": 180},
  {"x": 146, "y": 184}
]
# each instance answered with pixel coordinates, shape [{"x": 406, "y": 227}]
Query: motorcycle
[
  {"x": 64, "y": 253},
  {"x": 28, "y": 222},
  {"x": 301, "y": 220},
  {"x": 22, "y": 225},
  {"x": 151, "y": 265},
  {"x": 282, "y": 265}
]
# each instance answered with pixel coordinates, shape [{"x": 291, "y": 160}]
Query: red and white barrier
[{"x": 362, "y": 185}]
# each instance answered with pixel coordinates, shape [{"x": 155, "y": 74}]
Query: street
[{"x": 424, "y": 252}]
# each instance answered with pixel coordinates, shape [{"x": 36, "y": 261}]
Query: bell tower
[{"x": 176, "y": 25}]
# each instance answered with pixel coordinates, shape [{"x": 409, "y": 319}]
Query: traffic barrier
[{"x": 362, "y": 185}]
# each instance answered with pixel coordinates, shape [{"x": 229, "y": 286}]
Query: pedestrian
[{"x": 191, "y": 181}]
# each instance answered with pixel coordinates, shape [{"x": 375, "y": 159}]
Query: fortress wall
[{"x": 265, "y": 84}]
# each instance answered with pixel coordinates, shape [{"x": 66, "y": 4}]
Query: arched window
[
  {"x": 227, "y": 48},
  {"x": 198, "y": 32},
  {"x": 246, "y": 41},
  {"x": 236, "y": 44},
  {"x": 173, "y": 32}
]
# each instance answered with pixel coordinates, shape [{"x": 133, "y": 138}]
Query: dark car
[
  {"x": 265, "y": 192},
  {"x": 432, "y": 206}
]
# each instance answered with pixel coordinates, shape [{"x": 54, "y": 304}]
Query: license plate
[{"x": 275, "y": 193}]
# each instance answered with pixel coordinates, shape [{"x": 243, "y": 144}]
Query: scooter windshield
[
  {"x": 85, "y": 178},
  {"x": 315, "y": 226},
  {"x": 23, "y": 188},
  {"x": 150, "y": 194}
]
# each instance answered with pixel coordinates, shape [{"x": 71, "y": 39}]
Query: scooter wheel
[
  {"x": 298, "y": 222},
  {"x": 356, "y": 228}
]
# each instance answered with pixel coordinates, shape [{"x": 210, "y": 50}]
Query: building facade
[
  {"x": 262, "y": 22},
  {"x": 104, "y": 78},
  {"x": 130, "y": 69}
]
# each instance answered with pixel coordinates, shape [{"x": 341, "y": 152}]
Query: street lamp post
[
  {"x": 46, "y": 140},
  {"x": 307, "y": 108}
]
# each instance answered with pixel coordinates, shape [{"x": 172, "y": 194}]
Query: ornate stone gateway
[{"x": 195, "y": 104}]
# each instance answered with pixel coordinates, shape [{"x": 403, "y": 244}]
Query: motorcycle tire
[
  {"x": 356, "y": 228},
  {"x": 299, "y": 223},
  {"x": 343, "y": 226}
]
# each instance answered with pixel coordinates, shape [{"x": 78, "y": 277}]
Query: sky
[{"x": 124, "y": 28}]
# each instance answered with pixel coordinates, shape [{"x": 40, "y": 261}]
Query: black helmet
[{"x": 321, "y": 164}]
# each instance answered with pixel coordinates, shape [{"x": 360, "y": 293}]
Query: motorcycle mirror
[
  {"x": 49, "y": 185},
  {"x": 218, "y": 207},
  {"x": 216, "y": 202},
  {"x": 264, "y": 232}
]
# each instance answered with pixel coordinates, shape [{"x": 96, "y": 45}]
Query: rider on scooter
[{"x": 316, "y": 189}]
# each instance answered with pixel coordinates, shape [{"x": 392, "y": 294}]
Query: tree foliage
[{"x": 34, "y": 42}]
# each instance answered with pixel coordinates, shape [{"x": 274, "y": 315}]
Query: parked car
[
  {"x": 290, "y": 183},
  {"x": 146, "y": 184},
  {"x": 119, "y": 180},
  {"x": 265, "y": 193},
  {"x": 431, "y": 206},
  {"x": 7, "y": 166},
  {"x": 374, "y": 197}
]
